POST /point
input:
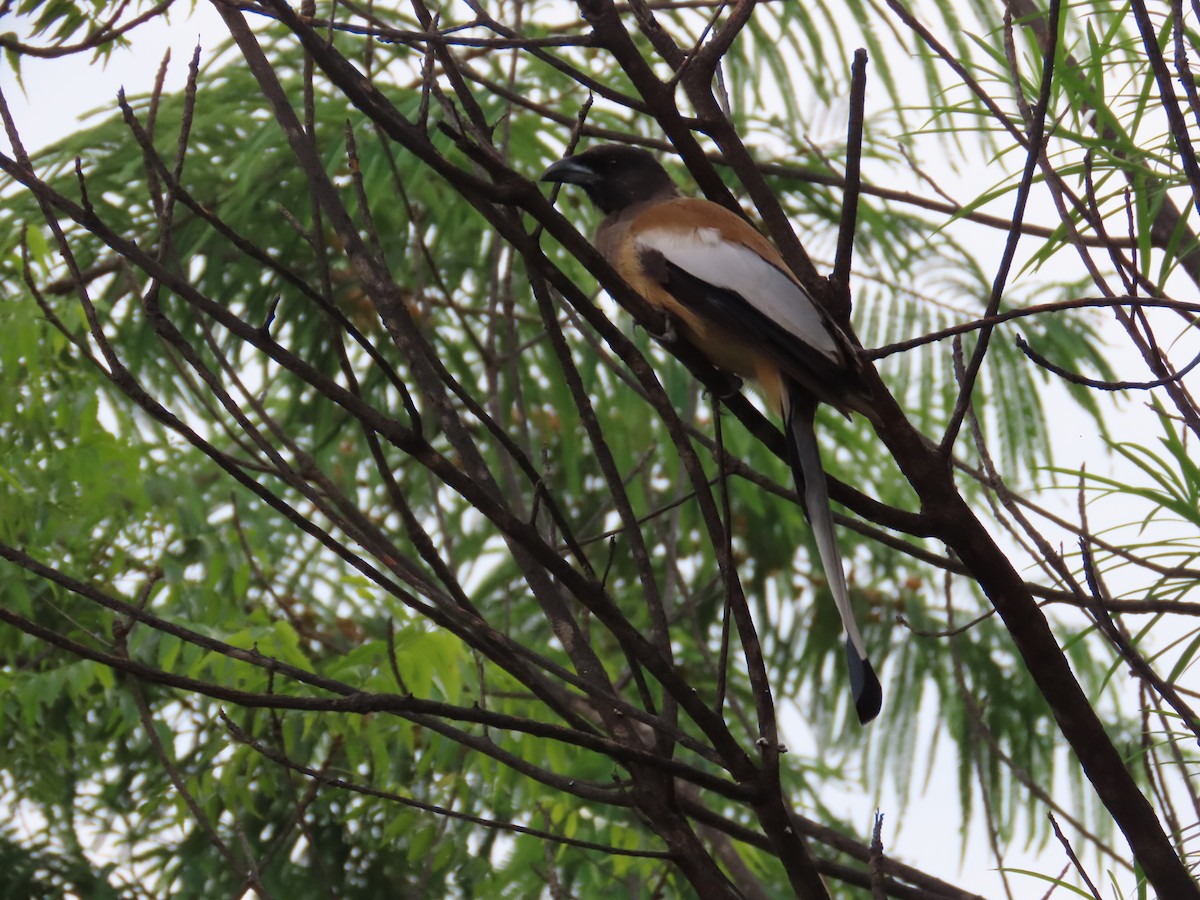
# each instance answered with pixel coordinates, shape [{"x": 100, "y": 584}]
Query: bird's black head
[{"x": 614, "y": 175}]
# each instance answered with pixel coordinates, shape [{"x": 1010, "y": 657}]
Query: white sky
[{"x": 57, "y": 93}]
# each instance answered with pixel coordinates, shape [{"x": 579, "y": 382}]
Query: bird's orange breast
[{"x": 703, "y": 222}]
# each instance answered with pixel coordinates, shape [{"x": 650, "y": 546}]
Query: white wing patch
[{"x": 704, "y": 254}]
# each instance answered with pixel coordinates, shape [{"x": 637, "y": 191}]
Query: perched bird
[{"x": 735, "y": 299}]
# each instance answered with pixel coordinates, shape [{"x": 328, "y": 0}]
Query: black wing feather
[{"x": 730, "y": 310}]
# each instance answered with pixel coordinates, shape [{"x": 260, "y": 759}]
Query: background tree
[{"x": 357, "y": 543}]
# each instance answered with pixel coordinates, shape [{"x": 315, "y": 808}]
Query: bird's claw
[
  {"x": 726, "y": 385},
  {"x": 668, "y": 335}
]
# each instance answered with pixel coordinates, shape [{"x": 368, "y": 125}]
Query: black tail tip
[
  {"x": 868, "y": 695},
  {"x": 869, "y": 699}
]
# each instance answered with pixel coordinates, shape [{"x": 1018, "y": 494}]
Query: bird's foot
[
  {"x": 725, "y": 385},
  {"x": 669, "y": 335}
]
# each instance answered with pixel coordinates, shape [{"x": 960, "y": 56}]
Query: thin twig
[
  {"x": 843, "y": 257},
  {"x": 342, "y": 784},
  {"x": 1034, "y": 144},
  {"x": 1096, "y": 384},
  {"x": 1066, "y": 844}
]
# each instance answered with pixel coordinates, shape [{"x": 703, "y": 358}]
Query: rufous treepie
[{"x": 735, "y": 299}]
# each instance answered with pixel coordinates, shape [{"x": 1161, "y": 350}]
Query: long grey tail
[{"x": 805, "y": 457}]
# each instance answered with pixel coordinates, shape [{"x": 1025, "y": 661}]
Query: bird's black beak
[{"x": 569, "y": 171}]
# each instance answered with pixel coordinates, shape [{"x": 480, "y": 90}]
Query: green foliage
[{"x": 109, "y": 495}]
